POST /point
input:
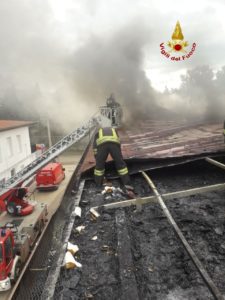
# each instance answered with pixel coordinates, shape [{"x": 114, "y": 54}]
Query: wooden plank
[
  {"x": 167, "y": 196},
  {"x": 215, "y": 163},
  {"x": 125, "y": 203},
  {"x": 212, "y": 287},
  {"x": 195, "y": 191}
]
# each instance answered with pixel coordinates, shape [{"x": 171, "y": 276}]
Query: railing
[{"x": 112, "y": 113}]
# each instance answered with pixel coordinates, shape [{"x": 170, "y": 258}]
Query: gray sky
[{"x": 64, "y": 57}]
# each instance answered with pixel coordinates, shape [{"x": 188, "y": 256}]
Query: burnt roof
[
  {"x": 165, "y": 140},
  {"x": 157, "y": 139}
]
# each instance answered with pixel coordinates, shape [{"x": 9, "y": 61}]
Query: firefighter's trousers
[{"x": 115, "y": 150}]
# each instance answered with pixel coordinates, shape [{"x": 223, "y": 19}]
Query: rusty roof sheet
[
  {"x": 166, "y": 139},
  {"x": 11, "y": 124},
  {"x": 155, "y": 139}
]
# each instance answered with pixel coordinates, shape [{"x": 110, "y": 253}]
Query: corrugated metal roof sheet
[
  {"x": 155, "y": 139},
  {"x": 167, "y": 139},
  {"x": 10, "y": 124}
]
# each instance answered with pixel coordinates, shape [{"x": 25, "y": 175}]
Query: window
[
  {"x": 19, "y": 143},
  {"x": 2, "y": 182},
  {"x": 13, "y": 172},
  {"x": 10, "y": 147}
]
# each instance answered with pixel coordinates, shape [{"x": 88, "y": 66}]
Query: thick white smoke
[
  {"x": 65, "y": 73},
  {"x": 200, "y": 96}
]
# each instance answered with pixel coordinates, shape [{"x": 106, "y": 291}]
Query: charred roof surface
[{"x": 167, "y": 139}]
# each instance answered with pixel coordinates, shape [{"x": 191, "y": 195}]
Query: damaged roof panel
[
  {"x": 156, "y": 139},
  {"x": 167, "y": 139}
]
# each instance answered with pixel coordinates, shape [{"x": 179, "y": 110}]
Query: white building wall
[{"x": 15, "y": 151}]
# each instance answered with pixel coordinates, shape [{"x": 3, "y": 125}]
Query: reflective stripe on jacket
[{"x": 103, "y": 138}]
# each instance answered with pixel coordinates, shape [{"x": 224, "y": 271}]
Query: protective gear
[
  {"x": 105, "y": 135},
  {"x": 113, "y": 137},
  {"x": 107, "y": 142}
]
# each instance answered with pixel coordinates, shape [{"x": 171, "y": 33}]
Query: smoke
[
  {"x": 115, "y": 64},
  {"x": 42, "y": 78},
  {"x": 49, "y": 73},
  {"x": 200, "y": 96},
  {"x": 31, "y": 60},
  {"x": 33, "y": 82}
]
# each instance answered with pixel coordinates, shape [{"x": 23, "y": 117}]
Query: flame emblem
[{"x": 177, "y": 44}]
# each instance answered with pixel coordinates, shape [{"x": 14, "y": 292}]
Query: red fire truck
[
  {"x": 15, "y": 203},
  {"x": 50, "y": 176},
  {"x": 17, "y": 238}
]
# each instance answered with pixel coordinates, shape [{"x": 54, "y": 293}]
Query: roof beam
[
  {"x": 167, "y": 196},
  {"x": 215, "y": 163}
]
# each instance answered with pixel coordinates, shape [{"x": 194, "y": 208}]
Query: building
[{"x": 15, "y": 147}]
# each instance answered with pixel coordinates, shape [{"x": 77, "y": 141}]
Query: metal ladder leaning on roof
[{"x": 54, "y": 151}]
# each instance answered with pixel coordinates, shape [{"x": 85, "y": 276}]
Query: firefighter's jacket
[
  {"x": 107, "y": 142},
  {"x": 105, "y": 135}
]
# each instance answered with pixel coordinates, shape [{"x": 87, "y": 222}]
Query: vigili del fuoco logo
[{"x": 177, "y": 49}]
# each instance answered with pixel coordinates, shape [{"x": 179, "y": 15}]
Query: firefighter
[
  {"x": 116, "y": 111},
  {"x": 110, "y": 102},
  {"x": 107, "y": 142}
]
